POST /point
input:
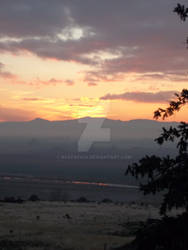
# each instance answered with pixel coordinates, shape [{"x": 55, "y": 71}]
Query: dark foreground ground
[{"x": 70, "y": 225}]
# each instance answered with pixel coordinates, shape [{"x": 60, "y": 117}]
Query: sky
[{"x": 67, "y": 59}]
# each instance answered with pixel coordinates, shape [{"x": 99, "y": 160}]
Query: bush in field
[
  {"x": 33, "y": 198},
  {"x": 82, "y": 199}
]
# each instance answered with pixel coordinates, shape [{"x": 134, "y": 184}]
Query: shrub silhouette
[
  {"x": 82, "y": 199},
  {"x": 33, "y": 198}
]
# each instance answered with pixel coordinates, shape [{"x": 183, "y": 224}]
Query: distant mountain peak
[
  {"x": 91, "y": 118},
  {"x": 38, "y": 119}
]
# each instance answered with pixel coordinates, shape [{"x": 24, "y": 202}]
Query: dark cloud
[
  {"x": 176, "y": 76},
  {"x": 147, "y": 97},
  {"x": 147, "y": 34},
  {"x": 26, "y": 18}
]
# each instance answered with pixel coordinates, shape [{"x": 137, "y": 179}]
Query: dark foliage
[
  {"x": 182, "y": 11},
  {"x": 106, "y": 200},
  {"x": 82, "y": 199},
  {"x": 169, "y": 175},
  {"x": 12, "y": 199},
  {"x": 174, "y": 106},
  {"x": 33, "y": 198},
  {"x": 67, "y": 216},
  {"x": 167, "y": 234}
]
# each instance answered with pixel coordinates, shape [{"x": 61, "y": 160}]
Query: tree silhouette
[
  {"x": 182, "y": 11},
  {"x": 174, "y": 105},
  {"x": 167, "y": 174}
]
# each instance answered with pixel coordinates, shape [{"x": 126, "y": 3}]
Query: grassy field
[{"x": 63, "y": 226}]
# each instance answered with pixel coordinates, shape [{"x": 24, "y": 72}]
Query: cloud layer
[
  {"x": 147, "y": 97},
  {"x": 145, "y": 35}
]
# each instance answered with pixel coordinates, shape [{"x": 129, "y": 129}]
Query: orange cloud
[
  {"x": 5, "y": 74},
  {"x": 32, "y": 99},
  {"x": 15, "y": 114}
]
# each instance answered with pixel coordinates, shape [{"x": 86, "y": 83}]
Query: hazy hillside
[
  {"x": 73, "y": 128},
  {"x": 41, "y": 147}
]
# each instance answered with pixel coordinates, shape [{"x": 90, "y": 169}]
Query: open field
[{"x": 70, "y": 225}]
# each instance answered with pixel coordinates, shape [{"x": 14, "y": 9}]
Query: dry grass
[{"x": 44, "y": 225}]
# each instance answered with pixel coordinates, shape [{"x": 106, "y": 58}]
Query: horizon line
[{"x": 90, "y": 117}]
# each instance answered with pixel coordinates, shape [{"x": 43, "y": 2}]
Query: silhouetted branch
[{"x": 174, "y": 106}]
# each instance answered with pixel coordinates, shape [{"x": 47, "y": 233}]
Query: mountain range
[{"x": 73, "y": 128}]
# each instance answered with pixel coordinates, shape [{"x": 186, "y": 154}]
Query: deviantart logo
[{"x": 94, "y": 131}]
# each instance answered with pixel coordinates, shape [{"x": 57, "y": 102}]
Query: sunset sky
[{"x": 66, "y": 59}]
